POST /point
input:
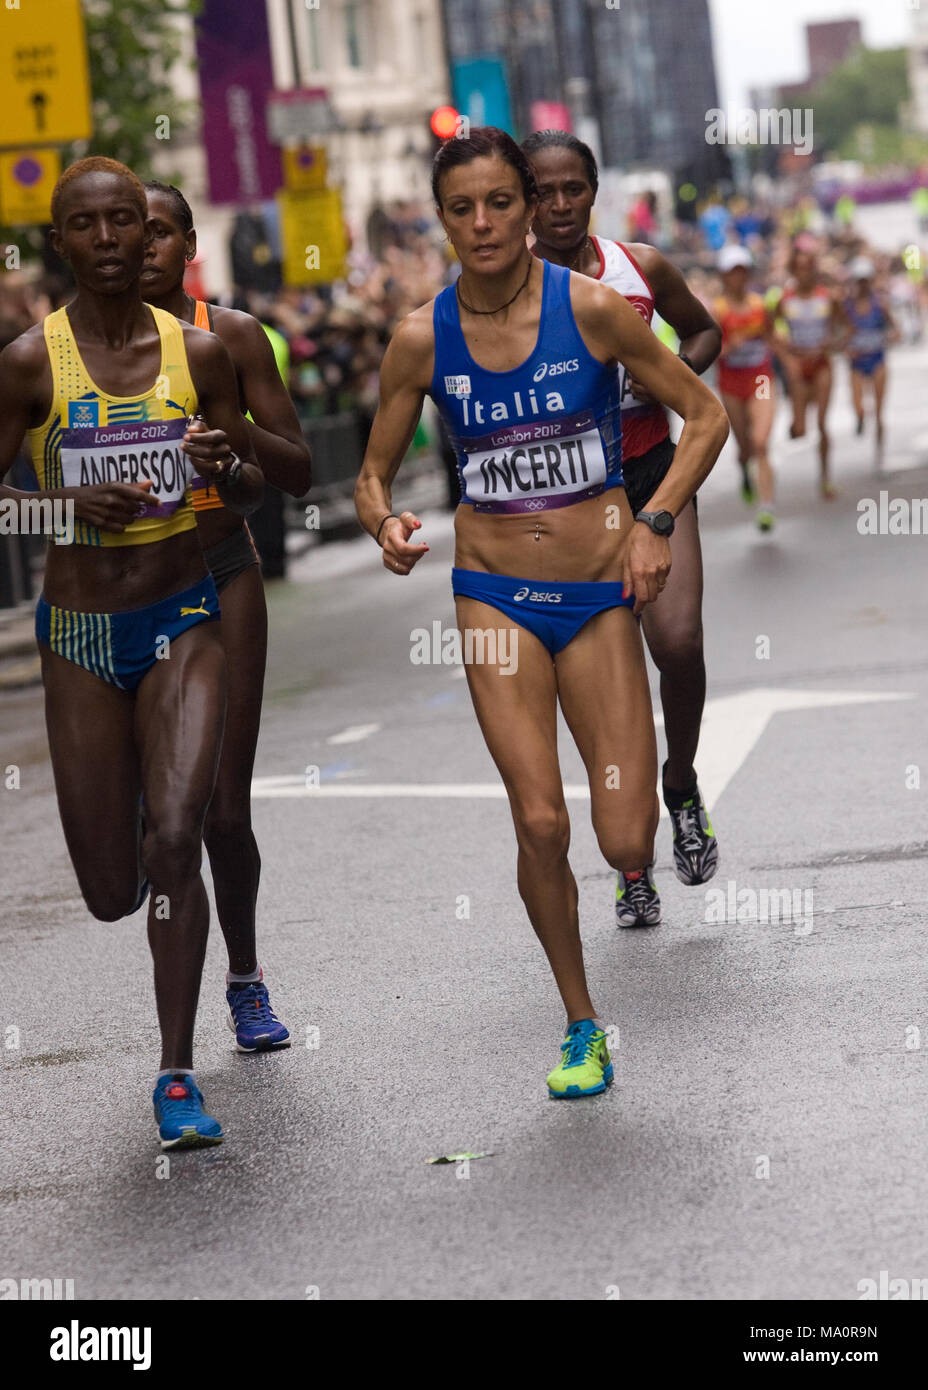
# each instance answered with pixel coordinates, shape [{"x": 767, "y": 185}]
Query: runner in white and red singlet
[{"x": 567, "y": 176}]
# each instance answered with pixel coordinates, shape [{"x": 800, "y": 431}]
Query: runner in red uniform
[
  {"x": 567, "y": 181},
  {"x": 746, "y": 382}
]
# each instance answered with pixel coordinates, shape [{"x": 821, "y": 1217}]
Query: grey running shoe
[{"x": 637, "y": 902}]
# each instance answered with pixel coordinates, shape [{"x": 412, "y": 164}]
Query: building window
[
  {"x": 314, "y": 37},
  {"x": 355, "y": 18}
]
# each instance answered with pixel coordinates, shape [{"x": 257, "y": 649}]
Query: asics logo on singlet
[
  {"x": 555, "y": 369},
  {"x": 536, "y": 596}
]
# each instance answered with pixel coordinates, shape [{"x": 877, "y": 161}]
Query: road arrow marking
[
  {"x": 731, "y": 728},
  {"x": 355, "y": 733}
]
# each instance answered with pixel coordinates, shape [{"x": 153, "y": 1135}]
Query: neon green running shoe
[
  {"x": 585, "y": 1068},
  {"x": 766, "y": 519}
]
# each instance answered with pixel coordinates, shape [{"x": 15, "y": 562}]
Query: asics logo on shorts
[
  {"x": 536, "y": 596},
  {"x": 555, "y": 369}
]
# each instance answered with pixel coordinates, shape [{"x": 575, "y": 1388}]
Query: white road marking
[
  {"x": 732, "y": 726},
  {"x": 355, "y": 734}
]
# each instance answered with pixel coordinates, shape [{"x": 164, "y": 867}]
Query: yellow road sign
[
  {"x": 43, "y": 73},
  {"x": 27, "y": 178},
  {"x": 312, "y": 235},
  {"x": 305, "y": 168}
]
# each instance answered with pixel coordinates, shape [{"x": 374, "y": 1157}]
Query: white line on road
[
  {"x": 355, "y": 733},
  {"x": 732, "y": 726}
]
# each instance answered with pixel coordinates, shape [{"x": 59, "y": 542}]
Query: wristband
[
  {"x": 231, "y": 470},
  {"x": 380, "y": 527}
]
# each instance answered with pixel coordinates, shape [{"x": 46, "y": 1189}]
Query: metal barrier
[{"x": 337, "y": 445}]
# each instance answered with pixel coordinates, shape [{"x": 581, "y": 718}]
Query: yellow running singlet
[{"x": 91, "y": 437}]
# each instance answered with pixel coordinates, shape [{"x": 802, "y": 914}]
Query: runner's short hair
[
  {"x": 483, "y": 140},
  {"x": 562, "y": 139},
  {"x": 97, "y": 164},
  {"x": 184, "y": 212}
]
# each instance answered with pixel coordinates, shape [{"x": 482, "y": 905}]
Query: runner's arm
[
  {"x": 275, "y": 431},
  {"x": 845, "y": 329},
  {"x": 217, "y": 392},
  {"x": 405, "y": 375},
  {"x": 700, "y": 336},
  {"x": 894, "y": 334},
  {"x": 837, "y": 322},
  {"x": 24, "y": 376},
  {"x": 20, "y": 364},
  {"x": 614, "y": 330}
]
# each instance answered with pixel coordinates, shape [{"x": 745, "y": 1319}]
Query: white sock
[{"x": 251, "y": 979}]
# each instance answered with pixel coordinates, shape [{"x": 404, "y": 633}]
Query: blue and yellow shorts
[{"x": 121, "y": 648}]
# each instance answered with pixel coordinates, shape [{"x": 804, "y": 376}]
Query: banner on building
[
  {"x": 234, "y": 59},
  {"x": 481, "y": 93}
]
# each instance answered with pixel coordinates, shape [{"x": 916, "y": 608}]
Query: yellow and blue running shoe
[
  {"x": 585, "y": 1068},
  {"x": 179, "y": 1115},
  {"x": 251, "y": 1018}
]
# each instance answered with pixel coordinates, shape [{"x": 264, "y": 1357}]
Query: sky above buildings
[{"x": 762, "y": 42}]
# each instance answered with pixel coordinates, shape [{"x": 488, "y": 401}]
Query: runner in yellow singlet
[{"x": 132, "y": 660}]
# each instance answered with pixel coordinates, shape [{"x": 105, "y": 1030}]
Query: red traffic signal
[{"x": 444, "y": 122}]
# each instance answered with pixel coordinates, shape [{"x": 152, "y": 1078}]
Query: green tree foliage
[
  {"x": 867, "y": 88},
  {"x": 131, "y": 46}
]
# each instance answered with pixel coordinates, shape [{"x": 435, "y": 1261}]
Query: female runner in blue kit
[{"x": 520, "y": 357}]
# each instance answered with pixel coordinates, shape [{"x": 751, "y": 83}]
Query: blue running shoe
[
  {"x": 182, "y": 1122},
  {"x": 251, "y": 1018}
]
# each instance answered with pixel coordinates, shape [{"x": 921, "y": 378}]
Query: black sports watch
[{"x": 661, "y": 523}]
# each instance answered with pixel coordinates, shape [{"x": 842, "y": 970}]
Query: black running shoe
[
  {"x": 695, "y": 848},
  {"x": 637, "y": 901}
]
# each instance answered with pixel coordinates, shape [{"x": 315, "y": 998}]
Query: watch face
[{"x": 663, "y": 523}]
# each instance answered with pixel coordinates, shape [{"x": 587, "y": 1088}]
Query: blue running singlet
[
  {"x": 869, "y": 335},
  {"x": 544, "y": 435}
]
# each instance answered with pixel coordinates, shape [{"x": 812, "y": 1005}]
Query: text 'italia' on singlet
[{"x": 544, "y": 435}]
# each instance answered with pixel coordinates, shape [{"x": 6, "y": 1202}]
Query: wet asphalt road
[{"x": 765, "y": 1137}]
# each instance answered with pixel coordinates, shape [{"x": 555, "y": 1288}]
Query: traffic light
[{"x": 444, "y": 122}]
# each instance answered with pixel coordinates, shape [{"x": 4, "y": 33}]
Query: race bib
[
  {"x": 131, "y": 453},
  {"x": 753, "y": 352},
  {"x": 535, "y": 466}
]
